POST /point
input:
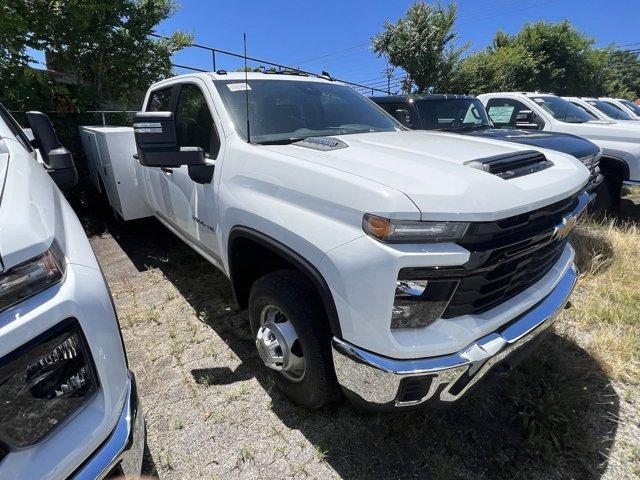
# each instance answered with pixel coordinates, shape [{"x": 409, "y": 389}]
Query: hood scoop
[
  {"x": 323, "y": 144},
  {"x": 510, "y": 165}
]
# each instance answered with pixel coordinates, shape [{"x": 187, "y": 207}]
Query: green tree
[
  {"x": 102, "y": 46},
  {"x": 501, "y": 69},
  {"x": 551, "y": 57},
  {"x": 423, "y": 43}
]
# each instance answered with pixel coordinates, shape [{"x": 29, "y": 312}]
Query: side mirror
[
  {"x": 57, "y": 159},
  {"x": 157, "y": 144},
  {"x": 527, "y": 119}
]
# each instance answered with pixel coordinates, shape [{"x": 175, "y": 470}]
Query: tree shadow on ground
[{"x": 554, "y": 417}]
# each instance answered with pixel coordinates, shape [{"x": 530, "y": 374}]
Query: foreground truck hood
[
  {"x": 429, "y": 167},
  {"x": 27, "y": 206}
]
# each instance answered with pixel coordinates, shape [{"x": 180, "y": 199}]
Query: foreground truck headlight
[
  {"x": 43, "y": 382},
  {"x": 412, "y": 231},
  {"x": 29, "y": 278}
]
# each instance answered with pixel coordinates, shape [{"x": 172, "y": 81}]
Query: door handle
[{"x": 167, "y": 170}]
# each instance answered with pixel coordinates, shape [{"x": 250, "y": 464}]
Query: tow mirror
[
  {"x": 527, "y": 119},
  {"x": 157, "y": 145},
  {"x": 57, "y": 159}
]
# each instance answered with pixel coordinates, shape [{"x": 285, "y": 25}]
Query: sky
[{"x": 336, "y": 35}]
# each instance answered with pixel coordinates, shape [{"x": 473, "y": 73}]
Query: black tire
[
  {"x": 608, "y": 197},
  {"x": 293, "y": 294}
]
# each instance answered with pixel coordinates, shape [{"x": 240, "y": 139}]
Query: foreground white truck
[
  {"x": 620, "y": 143},
  {"x": 400, "y": 265},
  {"x": 69, "y": 403}
]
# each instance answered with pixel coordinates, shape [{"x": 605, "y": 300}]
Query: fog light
[
  {"x": 418, "y": 303},
  {"x": 44, "y": 382}
]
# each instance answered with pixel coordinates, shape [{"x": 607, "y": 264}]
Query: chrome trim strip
[
  {"x": 631, "y": 191},
  {"x": 125, "y": 445},
  {"x": 376, "y": 379}
]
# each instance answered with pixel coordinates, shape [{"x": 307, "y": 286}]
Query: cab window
[
  {"x": 504, "y": 112},
  {"x": 399, "y": 111},
  {"x": 160, "y": 100},
  {"x": 194, "y": 123}
]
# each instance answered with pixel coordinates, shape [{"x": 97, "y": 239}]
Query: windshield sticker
[
  {"x": 235, "y": 87},
  {"x": 538, "y": 100}
]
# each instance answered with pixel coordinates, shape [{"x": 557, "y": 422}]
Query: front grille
[
  {"x": 485, "y": 290},
  {"x": 507, "y": 257}
]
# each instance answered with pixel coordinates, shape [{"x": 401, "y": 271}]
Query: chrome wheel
[{"x": 278, "y": 344}]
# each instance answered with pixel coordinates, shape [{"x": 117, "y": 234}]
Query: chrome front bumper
[
  {"x": 377, "y": 381},
  {"x": 631, "y": 191},
  {"x": 121, "y": 454}
]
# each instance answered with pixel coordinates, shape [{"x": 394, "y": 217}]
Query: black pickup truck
[{"x": 466, "y": 115}]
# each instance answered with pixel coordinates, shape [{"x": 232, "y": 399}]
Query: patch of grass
[
  {"x": 606, "y": 302},
  {"x": 165, "y": 460},
  {"x": 246, "y": 455},
  {"x": 238, "y": 393},
  {"x": 320, "y": 452},
  {"x": 177, "y": 424}
]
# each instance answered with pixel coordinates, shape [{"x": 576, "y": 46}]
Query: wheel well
[
  {"x": 614, "y": 165},
  {"x": 253, "y": 255}
]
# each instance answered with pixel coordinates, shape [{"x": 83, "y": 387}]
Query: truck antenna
[{"x": 246, "y": 87}]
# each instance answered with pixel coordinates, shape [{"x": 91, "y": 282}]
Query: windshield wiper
[{"x": 281, "y": 141}]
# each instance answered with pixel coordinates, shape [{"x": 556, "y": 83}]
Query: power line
[
  {"x": 330, "y": 54},
  {"x": 257, "y": 60}
]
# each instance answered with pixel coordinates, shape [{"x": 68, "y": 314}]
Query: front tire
[
  {"x": 608, "y": 197},
  {"x": 293, "y": 337}
]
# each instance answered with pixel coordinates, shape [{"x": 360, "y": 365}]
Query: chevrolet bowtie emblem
[{"x": 563, "y": 229}]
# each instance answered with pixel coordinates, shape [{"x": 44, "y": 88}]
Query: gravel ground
[{"x": 212, "y": 411}]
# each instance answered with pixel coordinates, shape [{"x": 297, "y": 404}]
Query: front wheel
[
  {"x": 608, "y": 197},
  {"x": 293, "y": 338}
]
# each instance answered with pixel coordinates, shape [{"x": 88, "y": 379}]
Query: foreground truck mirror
[
  {"x": 57, "y": 159},
  {"x": 157, "y": 145}
]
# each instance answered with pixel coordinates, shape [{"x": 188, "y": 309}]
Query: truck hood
[
  {"x": 561, "y": 142},
  {"x": 27, "y": 207},
  {"x": 429, "y": 167}
]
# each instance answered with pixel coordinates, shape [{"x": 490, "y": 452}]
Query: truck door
[
  {"x": 194, "y": 205},
  {"x": 156, "y": 180}
]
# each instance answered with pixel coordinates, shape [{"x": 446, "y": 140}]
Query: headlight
[
  {"x": 412, "y": 231},
  {"x": 29, "y": 278},
  {"x": 43, "y": 382},
  {"x": 419, "y": 303}
]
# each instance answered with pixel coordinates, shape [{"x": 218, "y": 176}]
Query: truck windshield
[
  {"x": 285, "y": 111},
  {"x": 632, "y": 106},
  {"x": 452, "y": 114},
  {"x": 609, "y": 110},
  {"x": 563, "y": 110}
]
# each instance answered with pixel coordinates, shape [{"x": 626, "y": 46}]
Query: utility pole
[{"x": 388, "y": 72}]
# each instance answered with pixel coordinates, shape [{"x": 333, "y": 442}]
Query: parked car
[
  {"x": 633, "y": 107},
  {"x": 625, "y": 106},
  {"x": 620, "y": 143},
  {"x": 602, "y": 110},
  {"x": 465, "y": 114},
  {"x": 69, "y": 402},
  {"x": 400, "y": 265}
]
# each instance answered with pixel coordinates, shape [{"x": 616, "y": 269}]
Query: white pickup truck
[
  {"x": 69, "y": 403},
  {"x": 400, "y": 265},
  {"x": 620, "y": 143}
]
